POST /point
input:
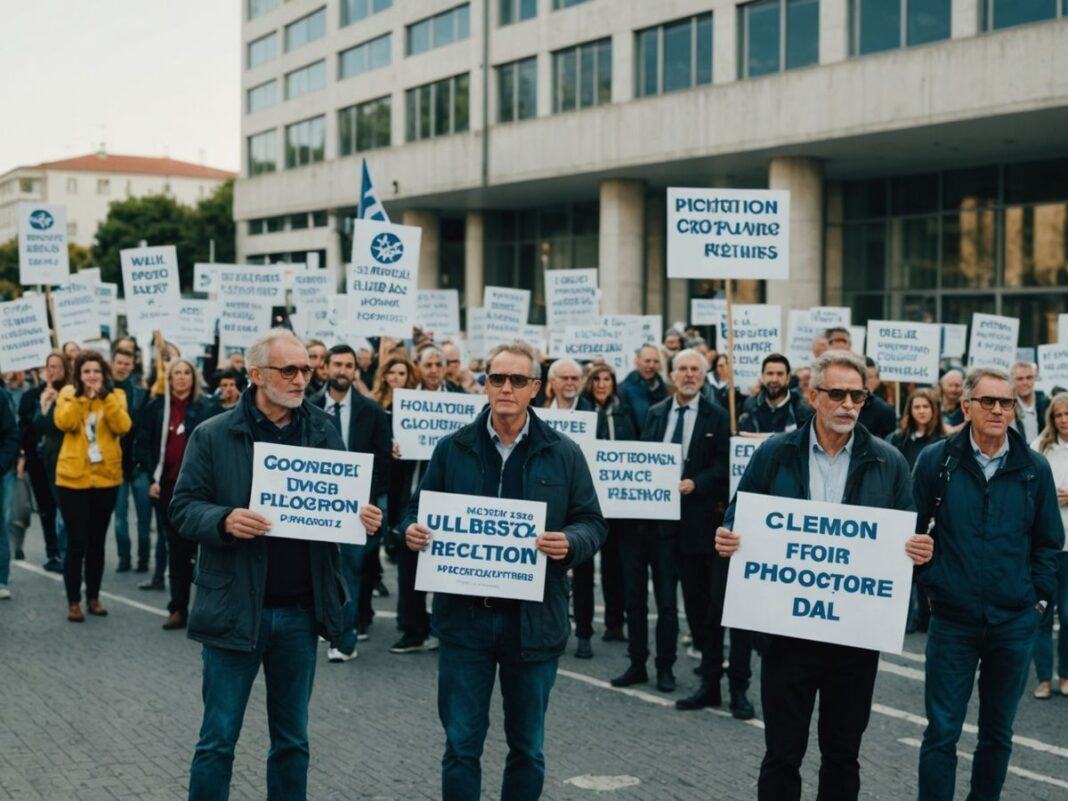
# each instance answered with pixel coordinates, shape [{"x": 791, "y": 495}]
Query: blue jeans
[
  {"x": 7, "y": 506},
  {"x": 285, "y": 647},
  {"x": 138, "y": 487},
  {"x": 352, "y": 557},
  {"x": 1044, "y": 641},
  {"x": 466, "y": 675},
  {"x": 954, "y": 651}
]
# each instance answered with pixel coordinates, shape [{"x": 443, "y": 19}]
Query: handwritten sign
[
  {"x": 506, "y": 312},
  {"x": 150, "y": 283},
  {"x": 954, "y": 340},
  {"x": 25, "y": 338},
  {"x": 241, "y": 322},
  {"x": 903, "y": 351},
  {"x": 993, "y": 342},
  {"x": 1052, "y": 367},
  {"x": 571, "y": 298},
  {"x": 43, "y": 255},
  {"x": 74, "y": 313},
  {"x": 421, "y": 419},
  {"x": 637, "y": 480},
  {"x": 576, "y": 425},
  {"x": 757, "y": 334},
  {"x": 438, "y": 310}
]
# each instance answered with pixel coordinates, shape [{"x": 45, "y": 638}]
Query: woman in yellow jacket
[{"x": 92, "y": 415}]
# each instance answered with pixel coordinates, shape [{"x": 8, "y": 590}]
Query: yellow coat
[{"x": 73, "y": 469}]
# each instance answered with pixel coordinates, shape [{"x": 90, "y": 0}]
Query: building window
[
  {"x": 257, "y": 8},
  {"x": 262, "y": 153},
  {"x": 27, "y": 185},
  {"x": 778, "y": 35},
  {"x": 72, "y": 229},
  {"x": 307, "y": 79},
  {"x": 558, "y": 4},
  {"x": 675, "y": 56},
  {"x": 437, "y": 31},
  {"x": 255, "y": 227},
  {"x": 103, "y": 186},
  {"x": 437, "y": 109},
  {"x": 262, "y": 96},
  {"x": 306, "y": 29},
  {"x": 878, "y": 25},
  {"x": 262, "y": 50},
  {"x": 364, "y": 126},
  {"x": 72, "y": 186},
  {"x": 319, "y": 219},
  {"x": 511, "y": 11},
  {"x": 999, "y": 14},
  {"x": 517, "y": 90},
  {"x": 355, "y": 10},
  {"x": 306, "y": 142},
  {"x": 364, "y": 57},
  {"x": 582, "y": 76}
]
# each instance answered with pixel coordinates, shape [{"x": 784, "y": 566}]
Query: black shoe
[
  {"x": 381, "y": 590},
  {"x": 740, "y": 706},
  {"x": 665, "y": 680},
  {"x": 54, "y": 565},
  {"x": 707, "y": 695},
  {"x": 613, "y": 635},
  {"x": 410, "y": 643},
  {"x": 584, "y": 650},
  {"x": 142, "y": 567},
  {"x": 635, "y": 674},
  {"x": 20, "y": 555},
  {"x": 124, "y": 567},
  {"x": 152, "y": 584}
]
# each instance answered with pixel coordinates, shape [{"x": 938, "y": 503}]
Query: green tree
[
  {"x": 80, "y": 258},
  {"x": 213, "y": 220},
  {"x": 156, "y": 219}
]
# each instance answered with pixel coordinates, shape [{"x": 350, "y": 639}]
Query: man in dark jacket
[
  {"x": 34, "y": 465},
  {"x": 776, "y": 408},
  {"x": 122, "y": 365},
  {"x": 998, "y": 531},
  {"x": 644, "y": 386},
  {"x": 877, "y": 416},
  {"x": 259, "y": 600},
  {"x": 507, "y": 452},
  {"x": 830, "y": 459}
]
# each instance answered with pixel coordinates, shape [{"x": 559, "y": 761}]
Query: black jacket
[
  {"x": 759, "y": 418},
  {"x": 615, "y": 420},
  {"x": 146, "y": 445},
  {"x": 878, "y": 417},
  {"x": 136, "y": 399},
  {"x": 1041, "y": 405},
  {"x": 9, "y": 433},
  {"x": 369, "y": 432},
  {"x": 911, "y": 448},
  {"x": 582, "y": 403},
  {"x": 706, "y": 463}
]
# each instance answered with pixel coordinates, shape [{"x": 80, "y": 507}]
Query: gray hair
[
  {"x": 690, "y": 352},
  {"x": 563, "y": 363},
  {"x": 977, "y": 374},
  {"x": 516, "y": 348},
  {"x": 258, "y": 354},
  {"x": 947, "y": 372},
  {"x": 837, "y": 358},
  {"x": 433, "y": 350},
  {"x": 1025, "y": 365}
]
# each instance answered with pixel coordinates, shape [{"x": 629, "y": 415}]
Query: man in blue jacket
[
  {"x": 644, "y": 386},
  {"x": 998, "y": 532},
  {"x": 508, "y": 453}
]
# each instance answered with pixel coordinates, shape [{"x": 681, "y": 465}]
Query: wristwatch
[{"x": 1041, "y": 607}]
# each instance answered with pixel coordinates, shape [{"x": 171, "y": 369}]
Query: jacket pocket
[{"x": 213, "y": 614}]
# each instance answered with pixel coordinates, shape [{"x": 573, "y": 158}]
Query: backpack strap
[{"x": 945, "y": 472}]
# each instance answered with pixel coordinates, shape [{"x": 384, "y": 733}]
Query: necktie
[
  {"x": 337, "y": 418},
  {"x": 676, "y": 435}
]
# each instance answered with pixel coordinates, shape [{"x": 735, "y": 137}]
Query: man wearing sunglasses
[
  {"x": 507, "y": 452},
  {"x": 832, "y": 459},
  {"x": 259, "y": 600},
  {"x": 998, "y": 532}
]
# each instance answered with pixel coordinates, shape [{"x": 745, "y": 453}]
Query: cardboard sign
[
  {"x": 637, "y": 480},
  {"x": 571, "y": 298},
  {"x": 707, "y": 311},
  {"x": 954, "y": 340},
  {"x": 506, "y": 312},
  {"x": 74, "y": 313},
  {"x": 150, "y": 284},
  {"x": 820, "y": 571},
  {"x": 438, "y": 311},
  {"x": 43, "y": 255},
  {"x": 757, "y": 334},
  {"x": 576, "y": 425},
  {"x": 421, "y": 419},
  {"x": 993, "y": 342},
  {"x": 742, "y": 450},
  {"x": 1052, "y": 368},
  {"x": 381, "y": 281},
  {"x": 906, "y": 352},
  {"x": 241, "y": 322},
  {"x": 311, "y": 493},
  {"x": 25, "y": 338},
  {"x": 481, "y": 546}
]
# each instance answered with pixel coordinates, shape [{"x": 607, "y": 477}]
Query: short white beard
[
  {"x": 281, "y": 398},
  {"x": 840, "y": 427}
]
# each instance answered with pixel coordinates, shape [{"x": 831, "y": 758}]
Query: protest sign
[
  {"x": 742, "y": 450},
  {"x": 150, "y": 284},
  {"x": 25, "y": 338},
  {"x": 43, "y": 256},
  {"x": 421, "y": 418},
  {"x": 857, "y": 336},
  {"x": 820, "y": 571},
  {"x": 535, "y": 336},
  {"x": 637, "y": 480},
  {"x": 1052, "y": 368},
  {"x": 481, "y": 546},
  {"x": 107, "y": 307},
  {"x": 381, "y": 281},
  {"x": 707, "y": 311},
  {"x": 728, "y": 233},
  {"x": 506, "y": 313},
  {"x": 906, "y": 352},
  {"x": 262, "y": 285},
  {"x": 954, "y": 340},
  {"x": 757, "y": 333},
  {"x": 641, "y": 328},
  {"x": 74, "y": 313},
  {"x": 993, "y": 342},
  {"x": 800, "y": 333},
  {"x": 204, "y": 276},
  {"x": 1062, "y": 329},
  {"x": 196, "y": 321},
  {"x": 438, "y": 311},
  {"x": 824, "y": 317},
  {"x": 571, "y": 298},
  {"x": 476, "y": 332},
  {"x": 579, "y": 426},
  {"x": 312, "y": 293},
  {"x": 616, "y": 346},
  {"x": 90, "y": 276},
  {"x": 241, "y": 322},
  {"x": 555, "y": 344},
  {"x": 1026, "y": 355},
  {"x": 311, "y": 493}
]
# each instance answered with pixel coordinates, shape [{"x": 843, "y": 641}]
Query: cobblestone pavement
[{"x": 110, "y": 709}]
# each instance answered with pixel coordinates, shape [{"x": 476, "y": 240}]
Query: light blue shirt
[
  {"x": 990, "y": 464},
  {"x": 826, "y": 474},
  {"x": 506, "y": 450}
]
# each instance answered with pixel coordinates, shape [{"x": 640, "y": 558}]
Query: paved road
[{"x": 109, "y": 709}]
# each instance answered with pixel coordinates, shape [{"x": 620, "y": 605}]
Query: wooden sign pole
[{"x": 730, "y": 356}]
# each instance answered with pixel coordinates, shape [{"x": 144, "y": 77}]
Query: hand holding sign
[
  {"x": 920, "y": 548},
  {"x": 553, "y": 544},
  {"x": 727, "y": 541},
  {"x": 417, "y": 537},
  {"x": 246, "y": 525},
  {"x": 371, "y": 517}
]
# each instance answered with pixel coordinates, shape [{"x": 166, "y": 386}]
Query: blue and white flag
[{"x": 371, "y": 207}]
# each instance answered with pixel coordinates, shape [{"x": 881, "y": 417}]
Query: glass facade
[
  {"x": 257, "y": 8},
  {"x": 1007, "y": 13},
  {"x": 364, "y": 57},
  {"x": 437, "y": 109},
  {"x": 582, "y": 76},
  {"x": 512, "y": 11},
  {"x": 778, "y": 35},
  {"x": 674, "y": 56},
  {"x": 517, "y": 90},
  {"x": 440, "y": 30},
  {"x": 558, "y": 4},
  {"x": 307, "y": 79},
  {"x": 878, "y": 25},
  {"x": 364, "y": 126},
  {"x": 306, "y": 29},
  {"x": 262, "y": 50},
  {"x": 306, "y": 142},
  {"x": 355, "y": 10},
  {"x": 263, "y": 153},
  {"x": 262, "y": 96}
]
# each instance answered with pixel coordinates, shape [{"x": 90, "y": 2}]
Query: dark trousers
[
  {"x": 88, "y": 515},
  {"x": 645, "y": 551},
  {"x": 372, "y": 575},
  {"x": 181, "y": 558},
  {"x": 739, "y": 669},
  {"x": 793, "y": 673},
  {"x": 412, "y": 617},
  {"x": 695, "y": 575},
  {"x": 46, "y": 504},
  {"x": 611, "y": 587}
]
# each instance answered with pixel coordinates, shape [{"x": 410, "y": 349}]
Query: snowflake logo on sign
[
  {"x": 41, "y": 220},
  {"x": 387, "y": 248}
]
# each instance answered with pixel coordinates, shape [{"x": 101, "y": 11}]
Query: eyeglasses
[
  {"x": 988, "y": 402},
  {"x": 518, "y": 380},
  {"x": 289, "y": 372},
  {"x": 574, "y": 378},
  {"x": 452, "y": 361},
  {"x": 858, "y": 396}
]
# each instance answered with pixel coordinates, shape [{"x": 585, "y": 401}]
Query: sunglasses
[
  {"x": 988, "y": 402},
  {"x": 289, "y": 372},
  {"x": 517, "y": 379},
  {"x": 858, "y": 396}
]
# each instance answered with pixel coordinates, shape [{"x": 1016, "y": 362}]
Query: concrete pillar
[
  {"x": 474, "y": 258},
  {"x": 725, "y": 45},
  {"x": 833, "y": 252},
  {"x": 335, "y": 259},
  {"x": 803, "y": 178},
  {"x": 965, "y": 18},
  {"x": 429, "y": 246},
  {"x": 655, "y": 262},
  {"x": 678, "y": 301},
  {"x": 621, "y": 246},
  {"x": 834, "y": 31}
]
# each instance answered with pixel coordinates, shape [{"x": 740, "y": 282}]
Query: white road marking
[
  {"x": 1021, "y": 772},
  {"x": 40, "y": 571},
  {"x": 603, "y": 784}
]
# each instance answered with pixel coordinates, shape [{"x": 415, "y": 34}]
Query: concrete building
[
  {"x": 87, "y": 184},
  {"x": 924, "y": 143}
]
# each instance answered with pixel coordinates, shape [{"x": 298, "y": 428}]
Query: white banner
[
  {"x": 1062, "y": 329},
  {"x": 196, "y": 321},
  {"x": 476, "y": 332},
  {"x": 507, "y": 311},
  {"x": 993, "y": 342},
  {"x": 204, "y": 276},
  {"x": 43, "y": 256},
  {"x": 150, "y": 284},
  {"x": 74, "y": 313},
  {"x": 800, "y": 333},
  {"x": 728, "y": 233},
  {"x": 107, "y": 306},
  {"x": 742, "y": 450},
  {"x": 637, "y": 480},
  {"x": 241, "y": 322},
  {"x": 571, "y": 298},
  {"x": 421, "y": 418},
  {"x": 820, "y": 571},
  {"x": 25, "y": 338},
  {"x": 311, "y": 493},
  {"x": 481, "y": 546},
  {"x": 1052, "y": 368},
  {"x": 438, "y": 311},
  {"x": 757, "y": 334},
  {"x": 708, "y": 311},
  {"x": 616, "y": 346},
  {"x": 954, "y": 340},
  {"x": 381, "y": 281},
  {"x": 906, "y": 352},
  {"x": 824, "y": 317},
  {"x": 90, "y": 276},
  {"x": 535, "y": 336},
  {"x": 263, "y": 285},
  {"x": 579, "y": 426},
  {"x": 857, "y": 336}
]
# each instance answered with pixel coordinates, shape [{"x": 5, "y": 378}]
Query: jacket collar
[
  {"x": 242, "y": 413},
  {"x": 1018, "y": 457},
  {"x": 540, "y": 435}
]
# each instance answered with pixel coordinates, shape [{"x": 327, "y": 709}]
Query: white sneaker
[
  {"x": 693, "y": 653},
  {"x": 322, "y": 639},
  {"x": 5, "y": 593},
  {"x": 337, "y": 655},
  {"x": 431, "y": 644}
]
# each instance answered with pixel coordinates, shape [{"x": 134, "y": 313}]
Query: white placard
[
  {"x": 1026, "y": 355},
  {"x": 536, "y": 336},
  {"x": 993, "y": 342},
  {"x": 25, "y": 338},
  {"x": 1052, "y": 368},
  {"x": 707, "y": 311},
  {"x": 481, "y": 546},
  {"x": 800, "y": 334},
  {"x": 742, "y": 450},
  {"x": 107, "y": 306},
  {"x": 313, "y": 287},
  {"x": 576, "y": 425},
  {"x": 820, "y": 571},
  {"x": 906, "y": 352},
  {"x": 264, "y": 285},
  {"x": 241, "y": 322},
  {"x": 757, "y": 334},
  {"x": 637, "y": 480},
  {"x": 857, "y": 337},
  {"x": 438, "y": 311},
  {"x": 150, "y": 284},
  {"x": 43, "y": 256},
  {"x": 196, "y": 321},
  {"x": 954, "y": 340},
  {"x": 204, "y": 276},
  {"x": 421, "y": 419},
  {"x": 1062, "y": 329},
  {"x": 556, "y": 344},
  {"x": 476, "y": 332},
  {"x": 506, "y": 312},
  {"x": 616, "y": 346},
  {"x": 74, "y": 313},
  {"x": 728, "y": 233},
  {"x": 824, "y": 317},
  {"x": 381, "y": 281},
  {"x": 89, "y": 276},
  {"x": 311, "y": 493},
  {"x": 571, "y": 298}
]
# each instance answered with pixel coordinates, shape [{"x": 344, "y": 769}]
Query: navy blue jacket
[
  {"x": 635, "y": 391},
  {"x": 759, "y": 418},
  {"x": 996, "y": 542}
]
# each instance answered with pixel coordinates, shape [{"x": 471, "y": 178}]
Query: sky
[{"x": 145, "y": 77}]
